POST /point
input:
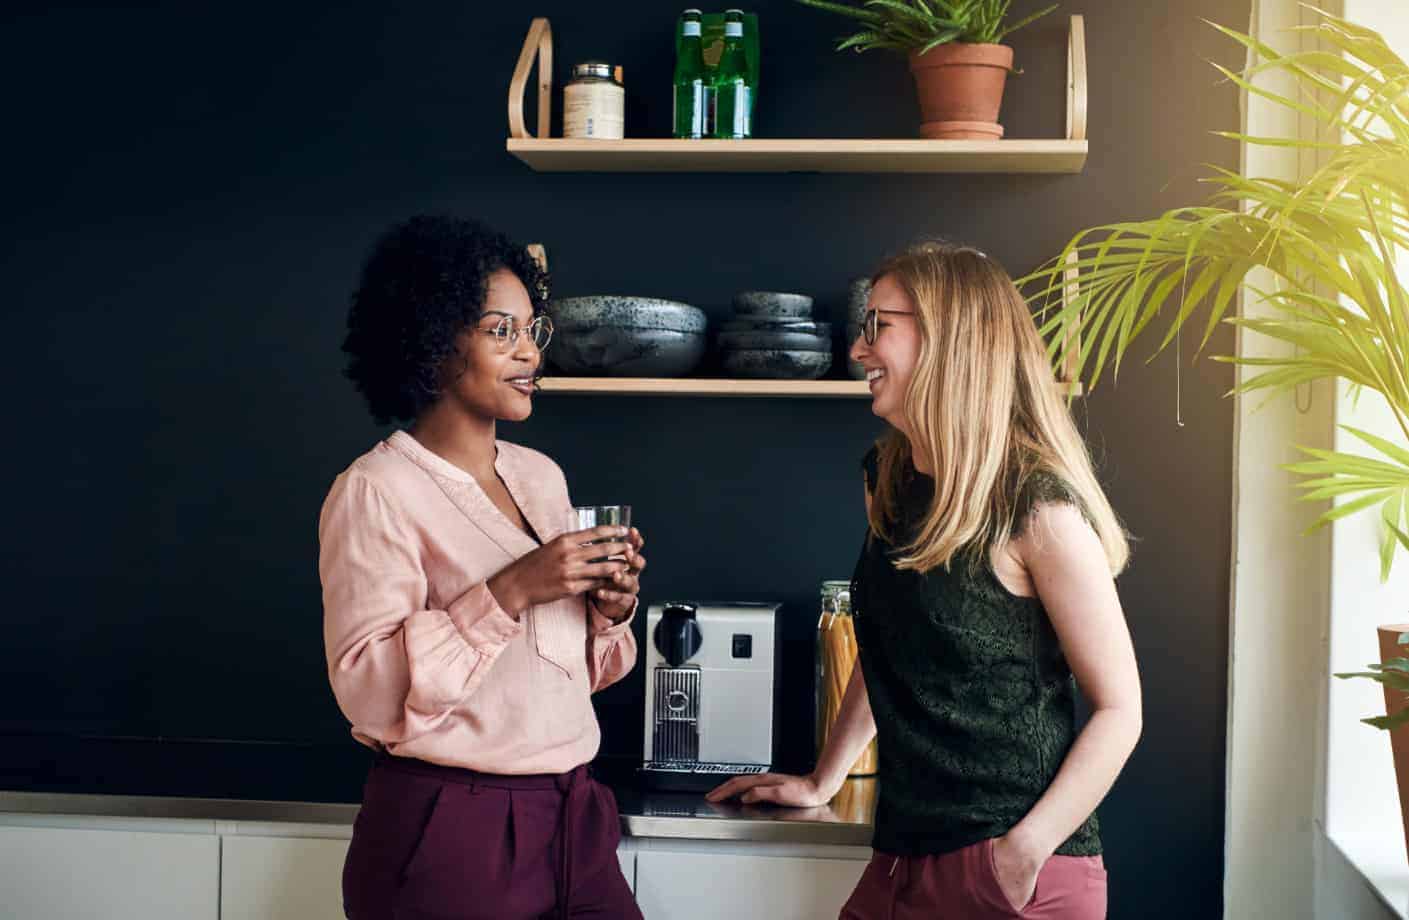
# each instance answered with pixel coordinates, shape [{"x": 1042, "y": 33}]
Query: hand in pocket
[{"x": 1015, "y": 871}]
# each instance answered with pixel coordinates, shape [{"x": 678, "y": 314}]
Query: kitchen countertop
[{"x": 845, "y": 821}]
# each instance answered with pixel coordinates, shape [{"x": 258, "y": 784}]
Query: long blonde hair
[{"x": 983, "y": 404}]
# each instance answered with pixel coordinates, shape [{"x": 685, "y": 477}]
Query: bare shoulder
[
  {"x": 1053, "y": 529},
  {"x": 1054, "y": 518}
]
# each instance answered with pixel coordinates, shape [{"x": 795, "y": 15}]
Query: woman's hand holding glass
[
  {"x": 564, "y": 567},
  {"x": 616, "y": 600}
]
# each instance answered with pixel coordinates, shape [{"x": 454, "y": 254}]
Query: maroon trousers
[
  {"x": 962, "y": 885},
  {"x": 441, "y": 843}
]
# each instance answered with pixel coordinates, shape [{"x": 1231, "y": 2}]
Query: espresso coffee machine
[{"x": 710, "y": 671}]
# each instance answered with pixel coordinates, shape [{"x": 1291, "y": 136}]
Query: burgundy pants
[
  {"x": 962, "y": 885},
  {"x": 440, "y": 843}
]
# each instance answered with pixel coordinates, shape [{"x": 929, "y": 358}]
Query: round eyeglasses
[
  {"x": 506, "y": 332},
  {"x": 871, "y": 323}
]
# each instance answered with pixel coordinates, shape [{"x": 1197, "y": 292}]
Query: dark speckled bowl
[
  {"x": 778, "y": 364},
  {"x": 628, "y": 312},
  {"x": 853, "y": 368},
  {"x": 786, "y": 324},
  {"x": 785, "y": 339},
  {"x": 772, "y": 303},
  {"x": 856, "y": 299},
  {"x": 615, "y": 351}
]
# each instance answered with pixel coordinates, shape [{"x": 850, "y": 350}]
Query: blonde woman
[{"x": 985, "y": 584}]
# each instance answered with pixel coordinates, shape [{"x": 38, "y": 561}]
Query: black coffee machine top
[{"x": 677, "y": 636}]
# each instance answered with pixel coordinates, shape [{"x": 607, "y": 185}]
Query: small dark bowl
[
  {"x": 857, "y": 296},
  {"x": 772, "y": 303},
  {"x": 853, "y": 368},
  {"x": 796, "y": 326},
  {"x": 780, "y": 339},
  {"x": 777, "y": 364}
]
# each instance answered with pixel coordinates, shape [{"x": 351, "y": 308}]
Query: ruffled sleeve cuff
[
  {"x": 602, "y": 625},
  {"x": 486, "y": 626}
]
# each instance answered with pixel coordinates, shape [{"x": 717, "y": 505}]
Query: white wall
[
  {"x": 1361, "y": 794},
  {"x": 1360, "y": 789},
  {"x": 1280, "y": 586},
  {"x": 1300, "y": 765}
]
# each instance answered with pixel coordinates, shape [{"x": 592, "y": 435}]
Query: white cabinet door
[
  {"x": 49, "y": 873},
  {"x": 628, "y": 865},
  {"x": 281, "y": 878},
  {"x": 296, "y": 878},
  {"x": 707, "y": 886}
]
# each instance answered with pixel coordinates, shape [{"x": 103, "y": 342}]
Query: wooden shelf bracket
[{"x": 539, "y": 45}]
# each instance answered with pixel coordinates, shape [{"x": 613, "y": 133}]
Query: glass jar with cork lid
[{"x": 836, "y": 659}]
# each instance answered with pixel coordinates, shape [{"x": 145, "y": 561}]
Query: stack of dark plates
[{"x": 773, "y": 335}]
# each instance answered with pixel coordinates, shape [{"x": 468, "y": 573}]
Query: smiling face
[
  {"x": 494, "y": 380},
  {"x": 890, "y": 361}
]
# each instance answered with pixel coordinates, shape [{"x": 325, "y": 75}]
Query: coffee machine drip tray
[{"x": 692, "y": 775}]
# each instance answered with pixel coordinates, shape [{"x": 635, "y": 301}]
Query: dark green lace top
[{"x": 973, "y": 699}]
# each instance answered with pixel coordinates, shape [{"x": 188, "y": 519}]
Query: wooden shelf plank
[
  {"x": 697, "y": 386},
  {"x": 808, "y": 155}
]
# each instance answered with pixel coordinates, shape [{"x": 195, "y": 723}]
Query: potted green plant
[
  {"x": 1330, "y": 246},
  {"x": 956, "y": 56}
]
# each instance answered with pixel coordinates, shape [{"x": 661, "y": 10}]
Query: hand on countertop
[{"x": 777, "y": 788}]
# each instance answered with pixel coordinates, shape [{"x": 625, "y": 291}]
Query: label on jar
[{"x": 594, "y": 109}]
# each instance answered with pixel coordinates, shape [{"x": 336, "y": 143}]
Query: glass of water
[{"x": 588, "y": 516}]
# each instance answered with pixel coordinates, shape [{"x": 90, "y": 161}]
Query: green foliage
[
  {"x": 920, "y": 25},
  {"x": 1329, "y": 244},
  {"x": 1393, "y": 674}
]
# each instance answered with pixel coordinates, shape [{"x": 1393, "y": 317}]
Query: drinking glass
[{"x": 588, "y": 516}]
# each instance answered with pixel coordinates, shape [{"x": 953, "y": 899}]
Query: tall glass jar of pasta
[{"x": 836, "y": 657}]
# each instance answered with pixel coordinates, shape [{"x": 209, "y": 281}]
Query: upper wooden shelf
[
  {"x": 803, "y": 155},
  {"x": 700, "y": 386},
  {"x": 1019, "y": 155}
]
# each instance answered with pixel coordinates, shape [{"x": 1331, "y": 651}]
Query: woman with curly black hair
[{"x": 466, "y": 622}]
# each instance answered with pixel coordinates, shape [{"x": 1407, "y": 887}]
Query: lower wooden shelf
[
  {"x": 695, "y": 386},
  {"x": 806, "y": 155}
]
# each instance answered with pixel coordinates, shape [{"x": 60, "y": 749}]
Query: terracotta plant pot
[
  {"x": 960, "y": 86},
  {"x": 1394, "y": 702}
]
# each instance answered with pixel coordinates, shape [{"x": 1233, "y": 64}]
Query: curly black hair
[{"x": 423, "y": 284}]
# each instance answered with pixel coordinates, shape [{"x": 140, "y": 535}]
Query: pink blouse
[{"x": 422, "y": 659}]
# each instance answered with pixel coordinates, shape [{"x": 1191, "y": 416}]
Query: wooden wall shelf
[
  {"x": 1019, "y": 155},
  {"x": 716, "y": 387},
  {"x": 698, "y": 386},
  {"x": 823, "y": 156}
]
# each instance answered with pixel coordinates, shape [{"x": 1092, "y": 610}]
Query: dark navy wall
[{"x": 190, "y": 191}]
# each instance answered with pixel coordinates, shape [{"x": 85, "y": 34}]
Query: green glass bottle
[
  {"x": 691, "y": 96},
  {"x": 733, "y": 112}
]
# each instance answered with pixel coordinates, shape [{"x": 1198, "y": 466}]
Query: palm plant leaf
[
  {"x": 1329, "y": 244},
  {"x": 1026, "y": 20},
  {"x": 841, "y": 9},
  {"x": 1388, "y": 722}
]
